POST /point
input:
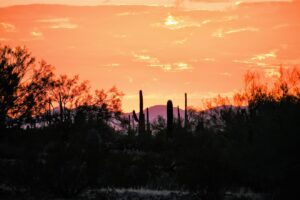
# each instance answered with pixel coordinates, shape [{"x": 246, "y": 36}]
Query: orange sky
[{"x": 165, "y": 51}]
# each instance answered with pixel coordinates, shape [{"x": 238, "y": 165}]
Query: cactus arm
[{"x": 135, "y": 116}]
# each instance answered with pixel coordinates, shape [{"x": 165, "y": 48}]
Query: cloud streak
[
  {"x": 164, "y": 66},
  {"x": 8, "y": 27},
  {"x": 176, "y": 23},
  {"x": 59, "y": 23},
  {"x": 220, "y": 33}
]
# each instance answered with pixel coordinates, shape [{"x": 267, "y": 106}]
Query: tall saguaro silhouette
[
  {"x": 169, "y": 118},
  {"x": 185, "y": 111},
  {"x": 141, "y": 119},
  {"x": 141, "y": 114},
  {"x": 178, "y": 117}
]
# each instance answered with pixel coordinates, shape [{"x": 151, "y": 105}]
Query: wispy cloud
[
  {"x": 272, "y": 72},
  {"x": 59, "y": 23},
  {"x": 8, "y": 27},
  {"x": 64, "y": 26},
  {"x": 209, "y": 59},
  {"x": 180, "y": 42},
  {"x": 267, "y": 62},
  {"x": 145, "y": 58},
  {"x": 259, "y": 60},
  {"x": 181, "y": 66},
  {"x": 175, "y": 23},
  {"x": 52, "y": 20},
  {"x": 286, "y": 25},
  {"x": 226, "y": 74},
  {"x": 4, "y": 39},
  {"x": 36, "y": 34},
  {"x": 220, "y": 33},
  {"x": 251, "y": 63},
  {"x": 222, "y": 20},
  {"x": 172, "y": 67},
  {"x": 156, "y": 63},
  {"x": 131, "y": 13},
  {"x": 112, "y": 65},
  {"x": 264, "y": 56}
]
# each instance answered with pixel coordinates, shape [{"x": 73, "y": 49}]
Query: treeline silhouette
[{"x": 58, "y": 139}]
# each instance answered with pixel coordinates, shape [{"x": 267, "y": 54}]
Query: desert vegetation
[{"x": 58, "y": 139}]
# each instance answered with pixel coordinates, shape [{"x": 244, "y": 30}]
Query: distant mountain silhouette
[{"x": 159, "y": 110}]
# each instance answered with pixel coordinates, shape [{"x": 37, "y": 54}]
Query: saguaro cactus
[
  {"x": 142, "y": 116},
  {"x": 185, "y": 111},
  {"x": 169, "y": 118},
  {"x": 141, "y": 119},
  {"x": 178, "y": 117}
]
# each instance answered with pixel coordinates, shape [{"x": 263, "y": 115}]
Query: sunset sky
[{"x": 164, "y": 47}]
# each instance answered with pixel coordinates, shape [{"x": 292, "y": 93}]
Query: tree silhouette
[
  {"x": 23, "y": 86},
  {"x": 69, "y": 93},
  {"x": 14, "y": 65}
]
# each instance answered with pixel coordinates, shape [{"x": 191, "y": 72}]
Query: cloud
[
  {"x": 209, "y": 59},
  {"x": 112, "y": 65},
  {"x": 145, "y": 58},
  {"x": 251, "y": 64},
  {"x": 221, "y": 20},
  {"x": 204, "y": 4},
  {"x": 156, "y": 63},
  {"x": 179, "y": 3},
  {"x": 36, "y": 34},
  {"x": 172, "y": 67},
  {"x": 131, "y": 13},
  {"x": 265, "y": 62},
  {"x": 59, "y": 23},
  {"x": 264, "y": 56},
  {"x": 226, "y": 74},
  {"x": 181, "y": 66},
  {"x": 8, "y": 27},
  {"x": 164, "y": 67},
  {"x": 287, "y": 25},
  {"x": 180, "y": 42},
  {"x": 272, "y": 72},
  {"x": 249, "y": 29},
  {"x": 64, "y": 26},
  {"x": 220, "y": 33},
  {"x": 4, "y": 39},
  {"x": 53, "y": 20},
  {"x": 174, "y": 23}
]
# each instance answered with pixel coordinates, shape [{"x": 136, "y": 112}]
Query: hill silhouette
[{"x": 159, "y": 110}]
